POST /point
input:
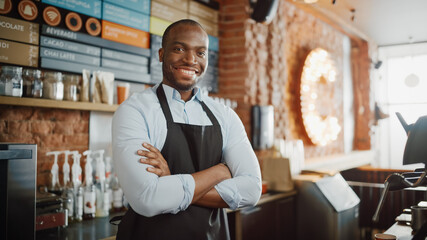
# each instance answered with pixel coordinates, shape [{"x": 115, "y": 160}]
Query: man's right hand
[{"x": 154, "y": 158}]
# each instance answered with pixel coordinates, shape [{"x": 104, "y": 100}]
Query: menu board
[{"x": 106, "y": 35}]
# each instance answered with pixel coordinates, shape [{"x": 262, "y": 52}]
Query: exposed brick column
[
  {"x": 233, "y": 59},
  {"x": 361, "y": 88}
]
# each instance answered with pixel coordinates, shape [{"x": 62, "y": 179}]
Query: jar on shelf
[
  {"x": 72, "y": 87},
  {"x": 33, "y": 85},
  {"x": 11, "y": 81},
  {"x": 53, "y": 87},
  {"x": 2, "y": 83}
]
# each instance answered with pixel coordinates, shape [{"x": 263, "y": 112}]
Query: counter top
[
  {"x": 100, "y": 228},
  {"x": 271, "y": 196},
  {"x": 340, "y": 162},
  {"x": 402, "y": 232}
]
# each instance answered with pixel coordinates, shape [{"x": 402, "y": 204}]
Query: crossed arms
[
  {"x": 204, "y": 193},
  {"x": 151, "y": 190}
]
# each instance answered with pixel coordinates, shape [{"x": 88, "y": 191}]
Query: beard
[{"x": 169, "y": 79}]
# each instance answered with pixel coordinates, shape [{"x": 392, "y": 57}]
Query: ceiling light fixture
[{"x": 412, "y": 80}]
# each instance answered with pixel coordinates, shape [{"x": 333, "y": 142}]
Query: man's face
[{"x": 185, "y": 57}]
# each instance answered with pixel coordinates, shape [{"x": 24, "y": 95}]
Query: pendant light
[{"x": 412, "y": 80}]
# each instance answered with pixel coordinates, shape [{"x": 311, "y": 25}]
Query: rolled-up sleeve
[
  {"x": 244, "y": 188},
  {"x": 147, "y": 194}
]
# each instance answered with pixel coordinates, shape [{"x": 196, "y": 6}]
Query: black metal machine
[
  {"x": 18, "y": 190},
  {"x": 415, "y": 152}
]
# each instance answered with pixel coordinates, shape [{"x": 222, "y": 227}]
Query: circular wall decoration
[
  {"x": 317, "y": 98},
  {"x": 93, "y": 26},
  {"x": 5, "y": 6},
  {"x": 73, "y": 21},
  {"x": 28, "y": 10},
  {"x": 51, "y": 16}
]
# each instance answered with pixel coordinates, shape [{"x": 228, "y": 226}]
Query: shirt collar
[{"x": 172, "y": 93}]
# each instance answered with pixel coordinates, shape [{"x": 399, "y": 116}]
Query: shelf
[{"x": 46, "y": 103}]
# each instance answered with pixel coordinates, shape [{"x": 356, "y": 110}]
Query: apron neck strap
[
  {"x": 164, "y": 103},
  {"x": 167, "y": 112},
  {"x": 210, "y": 114}
]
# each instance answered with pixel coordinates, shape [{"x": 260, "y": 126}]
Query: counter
[
  {"x": 272, "y": 218},
  {"x": 402, "y": 232},
  {"x": 100, "y": 228}
]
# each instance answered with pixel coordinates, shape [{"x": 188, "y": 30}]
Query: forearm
[
  {"x": 147, "y": 193},
  {"x": 206, "y": 180},
  {"x": 211, "y": 200},
  {"x": 150, "y": 196}
]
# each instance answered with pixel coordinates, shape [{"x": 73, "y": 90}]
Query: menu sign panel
[
  {"x": 19, "y": 53},
  {"x": 18, "y": 30},
  {"x": 122, "y": 34},
  {"x": 125, "y": 17},
  {"x": 88, "y": 7}
]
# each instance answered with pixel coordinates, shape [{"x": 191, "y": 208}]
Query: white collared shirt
[{"x": 140, "y": 119}]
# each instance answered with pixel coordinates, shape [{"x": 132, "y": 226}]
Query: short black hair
[{"x": 177, "y": 23}]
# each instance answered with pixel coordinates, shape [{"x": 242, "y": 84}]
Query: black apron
[{"x": 188, "y": 149}]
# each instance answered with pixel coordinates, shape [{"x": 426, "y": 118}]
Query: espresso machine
[
  {"x": 18, "y": 190},
  {"x": 415, "y": 152}
]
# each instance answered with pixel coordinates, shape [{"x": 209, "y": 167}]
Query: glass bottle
[
  {"x": 79, "y": 205},
  {"x": 71, "y": 87},
  {"x": 117, "y": 195},
  {"x": 106, "y": 201},
  {"x": 2, "y": 83},
  {"x": 32, "y": 83},
  {"x": 12, "y": 78},
  {"x": 89, "y": 200},
  {"x": 53, "y": 87},
  {"x": 68, "y": 198},
  {"x": 109, "y": 193},
  {"x": 54, "y": 187},
  {"x": 102, "y": 200}
]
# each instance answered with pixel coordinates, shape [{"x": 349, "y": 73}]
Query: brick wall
[
  {"x": 361, "y": 84},
  {"x": 50, "y": 129},
  {"x": 270, "y": 59}
]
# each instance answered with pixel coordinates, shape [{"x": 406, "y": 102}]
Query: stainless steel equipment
[
  {"x": 328, "y": 209},
  {"x": 17, "y": 191},
  {"x": 262, "y": 127}
]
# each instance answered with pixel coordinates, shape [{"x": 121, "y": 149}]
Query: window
[{"x": 400, "y": 87}]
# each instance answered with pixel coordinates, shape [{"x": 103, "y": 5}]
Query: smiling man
[
  {"x": 184, "y": 61},
  {"x": 180, "y": 156}
]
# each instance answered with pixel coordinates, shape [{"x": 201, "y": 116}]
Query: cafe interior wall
[{"x": 259, "y": 65}]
